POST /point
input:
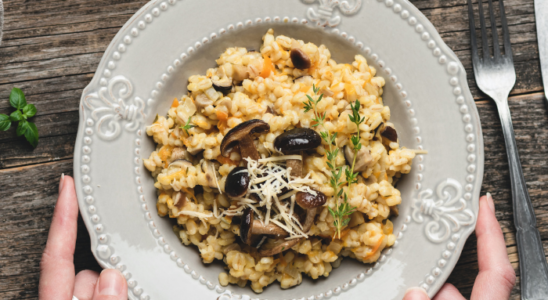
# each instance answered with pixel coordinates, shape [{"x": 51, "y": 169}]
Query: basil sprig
[{"x": 23, "y": 112}]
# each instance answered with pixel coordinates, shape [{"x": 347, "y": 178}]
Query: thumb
[
  {"x": 111, "y": 285},
  {"x": 415, "y": 294}
]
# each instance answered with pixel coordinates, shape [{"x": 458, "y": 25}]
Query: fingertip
[
  {"x": 416, "y": 293},
  {"x": 111, "y": 284}
]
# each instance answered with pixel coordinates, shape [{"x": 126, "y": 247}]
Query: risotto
[{"x": 280, "y": 162}]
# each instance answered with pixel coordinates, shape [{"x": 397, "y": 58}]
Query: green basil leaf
[
  {"x": 17, "y": 98},
  {"x": 5, "y": 122},
  {"x": 22, "y": 127},
  {"x": 29, "y": 110},
  {"x": 16, "y": 116},
  {"x": 32, "y": 134}
]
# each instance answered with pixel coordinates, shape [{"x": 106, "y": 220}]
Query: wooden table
[{"x": 51, "y": 49}]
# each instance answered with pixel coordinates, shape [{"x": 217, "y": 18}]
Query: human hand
[
  {"x": 57, "y": 280},
  {"x": 496, "y": 276}
]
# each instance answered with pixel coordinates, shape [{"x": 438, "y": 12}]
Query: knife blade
[{"x": 541, "y": 14}]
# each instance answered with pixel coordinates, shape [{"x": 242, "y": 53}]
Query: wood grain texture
[{"x": 51, "y": 49}]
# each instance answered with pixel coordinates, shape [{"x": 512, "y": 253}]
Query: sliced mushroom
[
  {"x": 202, "y": 101},
  {"x": 278, "y": 246},
  {"x": 208, "y": 167},
  {"x": 237, "y": 182},
  {"x": 250, "y": 227},
  {"x": 363, "y": 160},
  {"x": 300, "y": 59},
  {"x": 223, "y": 85},
  {"x": 296, "y": 166},
  {"x": 270, "y": 229},
  {"x": 179, "y": 153},
  {"x": 242, "y": 136},
  {"x": 181, "y": 163},
  {"x": 239, "y": 73},
  {"x": 295, "y": 141},
  {"x": 390, "y": 133},
  {"x": 246, "y": 226},
  {"x": 308, "y": 202},
  {"x": 180, "y": 200}
]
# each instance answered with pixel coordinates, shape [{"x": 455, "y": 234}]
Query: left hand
[{"x": 57, "y": 278}]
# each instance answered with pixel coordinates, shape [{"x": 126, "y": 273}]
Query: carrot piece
[
  {"x": 175, "y": 103},
  {"x": 375, "y": 249},
  {"x": 268, "y": 67},
  {"x": 222, "y": 116},
  {"x": 165, "y": 153}
]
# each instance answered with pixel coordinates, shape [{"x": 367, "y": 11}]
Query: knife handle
[{"x": 532, "y": 261}]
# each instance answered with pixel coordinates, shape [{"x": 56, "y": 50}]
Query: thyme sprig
[
  {"x": 355, "y": 118},
  {"x": 343, "y": 210},
  {"x": 188, "y": 126}
]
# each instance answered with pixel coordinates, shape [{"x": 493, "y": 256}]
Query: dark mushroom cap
[
  {"x": 237, "y": 182},
  {"x": 390, "y": 133},
  {"x": 300, "y": 59},
  {"x": 307, "y": 200},
  {"x": 223, "y": 85},
  {"x": 296, "y": 140},
  {"x": 242, "y": 131},
  {"x": 246, "y": 226}
]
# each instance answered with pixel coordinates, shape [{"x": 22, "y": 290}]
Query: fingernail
[
  {"x": 61, "y": 182},
  {"x": 490, "y": 202},
  {"x": 415, "y": 294},
  {"x": 111, "y": 283}
]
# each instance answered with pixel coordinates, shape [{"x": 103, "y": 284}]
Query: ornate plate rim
[{"x": 431, "y": 285}]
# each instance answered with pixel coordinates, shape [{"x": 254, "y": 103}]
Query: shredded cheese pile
[{"x": 271, "y": 183}]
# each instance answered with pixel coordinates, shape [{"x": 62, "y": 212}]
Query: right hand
[{"x": 496, "y": 276}]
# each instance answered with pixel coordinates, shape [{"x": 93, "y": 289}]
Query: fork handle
[{"x": 532, "y": 261}]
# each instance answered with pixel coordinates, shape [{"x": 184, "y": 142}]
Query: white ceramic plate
[{"x": 147, "y": 65}]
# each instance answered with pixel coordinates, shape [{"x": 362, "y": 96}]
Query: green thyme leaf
[
  {"x": 29, "y": 110},
  {"x": 188, "y": 126},
  {"x": 17, "y": 98},
  {"x": 5, "y": 122}
]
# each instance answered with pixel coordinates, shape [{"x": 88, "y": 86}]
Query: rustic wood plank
[{"x": 26, "y": 210}]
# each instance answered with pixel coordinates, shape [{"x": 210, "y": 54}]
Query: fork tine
[
  {"x": 485, "y": 43},
  {"x": 496, "y": 46},
  {"x": 473, "y": 38},
  {"x": 507, "y": 45}
]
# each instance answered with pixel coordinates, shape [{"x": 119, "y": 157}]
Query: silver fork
[{"x": 496, "y": 76}]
